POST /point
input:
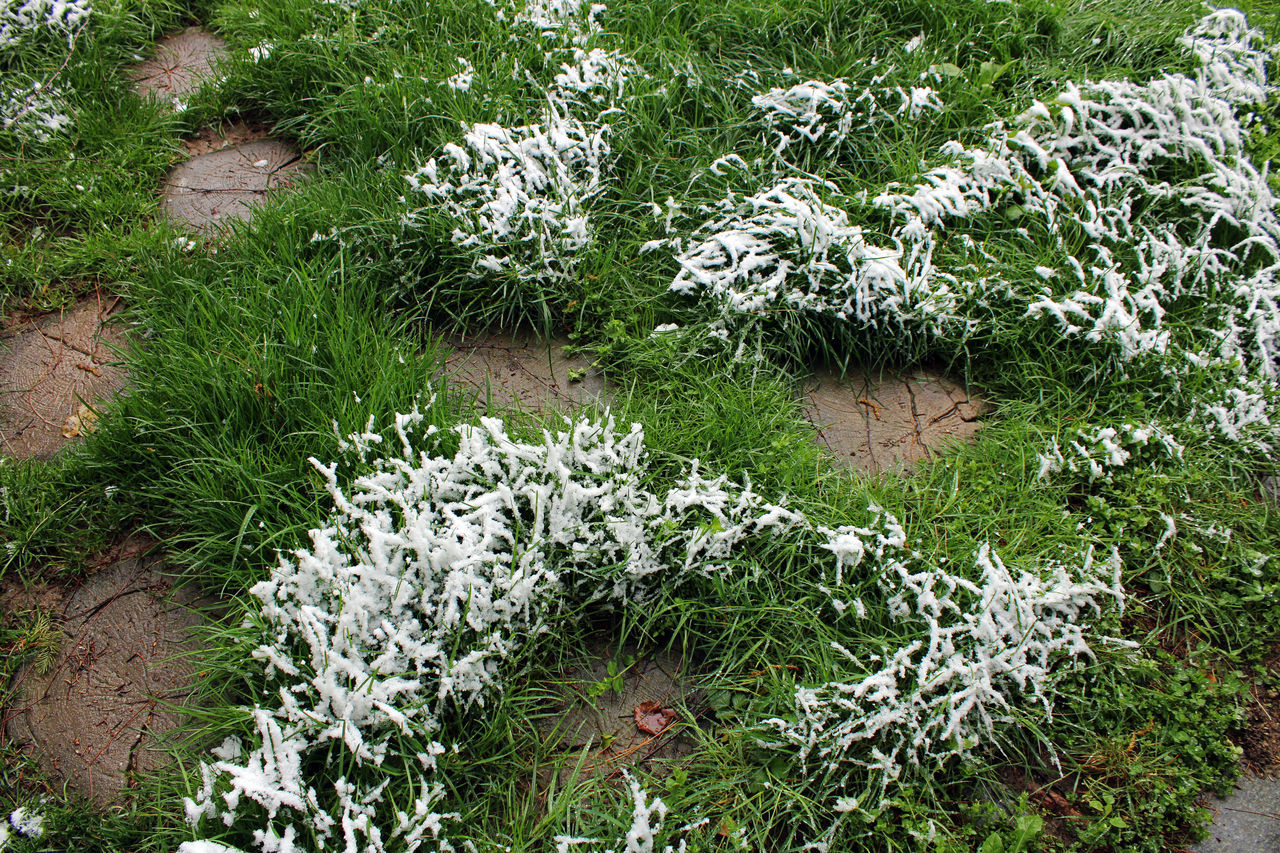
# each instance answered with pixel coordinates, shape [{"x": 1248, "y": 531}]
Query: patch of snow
[{"x": 20, "y": 21}]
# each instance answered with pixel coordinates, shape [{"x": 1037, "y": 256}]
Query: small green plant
[
  {"x": 1025, "y": 831},
  {"x": 39, "y": 640},
  {"x": 614, "y": 678}
]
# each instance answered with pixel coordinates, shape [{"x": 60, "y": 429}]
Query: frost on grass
[
  {"x": 980, "y": 644},
  {"x": 24, "y": 21},
  {"x": 435, "y": 567}
]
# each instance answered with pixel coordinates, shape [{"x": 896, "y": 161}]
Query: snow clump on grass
[
  {"x": 647, "y": 817},
  {"x": 552, "y": 15},
  {"x": 461, "y": 82},
  {"x": 519, "y": 196},
  {"x": 34, "y": 113},
  {"x": 437, "y": 565},
  {"x": 1094, "y": 161},
  {"x": 788, "y": 248},
  {"x": 21, "y": 21},
  {"x": 434, "y": 569},
  {"x": 823, "y": 114},
  {"x": 1097, "y": 452},
  {"x": 1153, "y": 177},
  {"x": 25, "y": 821},
  {"x": 980, "y": 644}
]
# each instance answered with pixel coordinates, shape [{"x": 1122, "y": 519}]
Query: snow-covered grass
[
  {"x": 1071, "y": 208},
  {"x": 32, "y": 20}
]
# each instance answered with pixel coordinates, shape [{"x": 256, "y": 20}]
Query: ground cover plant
[{"x": 1047, "y": 639}]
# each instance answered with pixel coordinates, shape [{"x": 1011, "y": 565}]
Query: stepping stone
[
  {"x": 616, "y": 710},
  {"x": 1248, "y": 821},
  {"x": 54, "y": 373},
  {"x": 182, "y": 63},
  {"x": 889, "y": 422},
  {"x": 102, "y": 711},
  {"x": 210, "y": 190},
  {"x": 519, "y": 370}
]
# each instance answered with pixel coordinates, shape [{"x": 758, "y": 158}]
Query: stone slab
[
  {"x": 591, "y": 725},
  {"x": 887, "y": 422},
  {"x": 208, "y": 191},
  {"x": 1248, "y": 821},
  {"x": 506, "y": 370},
  {"x": 182, "y": 62},
  {"x": 100, "y": 715},
  {"x": 54, "y": 373}
]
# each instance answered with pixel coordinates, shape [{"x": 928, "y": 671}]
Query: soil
[
  {"x": 888, "y": 422},
  {"x": 182, "y": 62},
  {"x": 1260, "y": 736},
  {"x": 54, "y": 373},
  {"x": 207, "y": 140},
  {"x": 99, "y": 717},
  {"x": 508, "y": 370},
  {"x": 17, "y": 598}
]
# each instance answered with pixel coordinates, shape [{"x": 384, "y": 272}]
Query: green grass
[{"x": 329, "y": 309}]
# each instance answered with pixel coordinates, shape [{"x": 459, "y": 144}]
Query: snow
[
  {"x": 27, "y": 822},
  {"x": 982, "y": 644},
  {"x": 446, "y": 552},
  {"x": 1091, "y": 161},
  {"x": 436, "y": 566},
  {"x": 788, "y": 247},
  {"x": 206, "y": 847},
  {"x": 21, "y": 21},
  {"x": 34, "y": 112},
  {"x": 433, "y": 570},
  {"x": 826, "y": 112},
  {"x": 1097, "y": 452},
  {"x": 520, "y": 197},
  {"x": 461, "y": 82}
]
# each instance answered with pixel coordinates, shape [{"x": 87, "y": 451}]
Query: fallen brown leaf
[{"x": 652, "y": 718}]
